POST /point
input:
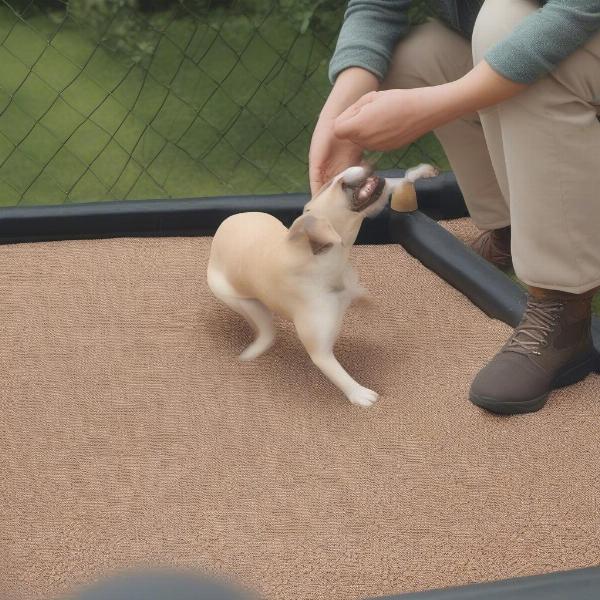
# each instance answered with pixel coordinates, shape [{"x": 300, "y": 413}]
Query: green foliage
[
  {"x": 419, "y": 11},
  {"x": 26, "y": 7},
  {"x": 117, "y": 23},
  {"x": 316, "y": 14},
  {"x": 82, "y": 9},
  {"x": 133, "y": 28}
]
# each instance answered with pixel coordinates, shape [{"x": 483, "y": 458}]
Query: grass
[{"x": 215, "y": 106}]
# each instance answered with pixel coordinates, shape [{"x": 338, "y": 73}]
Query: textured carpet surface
[{"x": 130, "y": 435}]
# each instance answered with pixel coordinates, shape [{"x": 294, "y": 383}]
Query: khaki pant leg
[
  {"x": 433, "y": 54},
  {"x": 550, "y": 138}
]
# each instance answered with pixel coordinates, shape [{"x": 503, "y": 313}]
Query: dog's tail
[{"x": 420, "y": 172}]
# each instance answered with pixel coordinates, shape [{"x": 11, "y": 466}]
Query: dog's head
[
  {"x": 347, "y": 199},
  {"x": 354, "y": 193},
  {"x": 342, "y": 204}
]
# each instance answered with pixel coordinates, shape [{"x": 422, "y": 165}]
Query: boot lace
[{"x": 537, "y": 324}]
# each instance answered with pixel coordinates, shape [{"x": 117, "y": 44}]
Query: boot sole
[{"x": 568, "y": 375}]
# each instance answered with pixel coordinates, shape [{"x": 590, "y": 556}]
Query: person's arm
[
  {"x": 350, "y": 85},
  {"x": 329, "y": 155},
  {"x": 391, "y": 119},
  {"x": 363, "y": 52},
  {"x": 386, "y": 120},
  {"x": 544, "y": 39},
  {"x": 368, "y": 36}
]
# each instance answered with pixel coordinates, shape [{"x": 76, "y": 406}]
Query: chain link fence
[{"x": 139, "y": 99}]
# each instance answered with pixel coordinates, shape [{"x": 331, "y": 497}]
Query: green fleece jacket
[{"x": 372, "y": 28}]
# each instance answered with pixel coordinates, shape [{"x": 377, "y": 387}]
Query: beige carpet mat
[{"x": 130, "y": 435}]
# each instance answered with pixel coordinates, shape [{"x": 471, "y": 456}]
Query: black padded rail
[
  {"x": 439, "y": 197},
  {"x": 486, "y": 286},
  {"x": 579, "y": 584}
]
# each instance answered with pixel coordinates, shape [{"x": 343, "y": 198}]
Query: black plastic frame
[
  {"x": 487, "y": 287},
  {"x": 196, "y": 216},
  {"x": 578, "y": 584},
  {"x": 418, "y": 232}
]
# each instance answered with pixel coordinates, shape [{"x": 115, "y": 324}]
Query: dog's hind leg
[
  {"x": 318, "y": 329},
  {"x": 254, "y": 311},
  {"x": 259, "y": 316}
]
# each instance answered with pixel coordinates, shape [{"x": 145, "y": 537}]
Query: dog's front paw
[
  {"x": 423, "y": 171},
  {"x": 363, "y": 397},
  {"x": 429, "y": 171}
]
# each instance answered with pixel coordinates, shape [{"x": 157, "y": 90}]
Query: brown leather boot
[
  {"x": 494, "y": 246},
  {"x": 551, "y": 348}
]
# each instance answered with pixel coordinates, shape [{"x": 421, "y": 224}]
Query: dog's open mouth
[{"x": 367, "y": 193}]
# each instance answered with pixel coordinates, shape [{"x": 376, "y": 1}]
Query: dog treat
[{"x": 404, "y": 198}]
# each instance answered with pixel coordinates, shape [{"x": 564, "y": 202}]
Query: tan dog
[{"x": 258, "y": 267}]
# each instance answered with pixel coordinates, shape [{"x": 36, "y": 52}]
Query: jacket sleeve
[
  {"x": 370, "y": 31},
  {"x": 545, "y": 38}
]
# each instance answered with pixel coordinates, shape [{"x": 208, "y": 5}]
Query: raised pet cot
[{"x": 131, "y": 435}]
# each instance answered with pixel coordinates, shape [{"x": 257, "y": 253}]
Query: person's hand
[
  {"x": 329, "y": 155},
  {"x": 390, "y": 119},
  {"x": 394, "y": 118}
]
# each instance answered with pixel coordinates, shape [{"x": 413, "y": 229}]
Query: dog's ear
[{"x": 321, "y": 235}]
